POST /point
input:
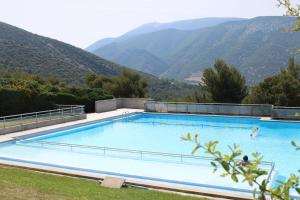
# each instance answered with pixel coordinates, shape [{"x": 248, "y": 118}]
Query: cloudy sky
[{"x": 81, "y": 22}]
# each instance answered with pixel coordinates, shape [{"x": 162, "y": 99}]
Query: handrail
[
  {"x": 65, "y": 105},
  {"x": 62, "y": 106},
  {"x": 45, "y": 111},
  {"x": 190, "y": 124},
  {"x": 270, "y": 173},
  {"x": 285, "y": 107},
  {"x": 220, "y": 104},
  {"x": 36, "y": 117},
  {"x": 124, "y": 150}
]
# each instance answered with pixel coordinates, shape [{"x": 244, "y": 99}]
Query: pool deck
[{"x": 89, "y": 118}]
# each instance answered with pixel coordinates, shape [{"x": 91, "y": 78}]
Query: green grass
[{"x": 24, "y": 184}]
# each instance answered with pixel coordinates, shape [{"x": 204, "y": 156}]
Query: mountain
[
  {"x": 191, "y": 24},
  {"x": 258, "y": 47},
  {"x": 25, "y": 51},
  {"x": 99, "y": 44},
  {"x": 29, "y": 52},
  {"x": 142, "y": 60}
]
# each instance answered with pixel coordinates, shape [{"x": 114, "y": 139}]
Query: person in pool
[{"x": 244, "y": 162}]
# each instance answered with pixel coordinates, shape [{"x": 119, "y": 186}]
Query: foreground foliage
[
  {"x": 249, "y": 172},
  {"x": 23, "y": 184},
  {"x": 291, "y": 10}
]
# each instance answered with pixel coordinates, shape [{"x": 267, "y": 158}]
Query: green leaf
[
  {"x": 225, "y": 165},
  {"x": 196, "y": 138},
  {"x": 196, "y": 149},
  {"x": 298, "y": 190},
  {"x": 188, "y": 136},
  {"x": 234, "y": 178}
]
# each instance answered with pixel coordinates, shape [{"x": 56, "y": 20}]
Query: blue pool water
[{"x": 161, "y": 133}]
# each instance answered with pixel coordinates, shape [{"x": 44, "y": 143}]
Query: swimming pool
[{"x": 148, "y": 147}]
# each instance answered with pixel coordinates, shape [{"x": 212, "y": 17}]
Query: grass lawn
[{"x": 24, "y": 184}]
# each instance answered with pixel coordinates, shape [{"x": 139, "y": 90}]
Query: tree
[
  {"x": 250, "y": 172},
  {"x": 28, "y": 93},
  {"x": 129, "y": 84},
  {"x": 282, "y": 89},
  {"x": 224, "y": 83}
]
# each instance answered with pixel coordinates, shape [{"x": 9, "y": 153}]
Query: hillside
[
  {"x": 259, "y": 47},
  {"x": 192, "y": 24},
  {"x": 138, "y": 59},
  {"x": 29, "y": 52},
  {"x": 23, "y": 51}
]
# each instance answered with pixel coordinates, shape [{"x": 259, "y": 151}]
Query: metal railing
[
  {"x": 42, "y": 116},
  {"x": 182, "y": 158},
  {"x": 187, "y": 124},
  {"x": 269, "y": 181}
]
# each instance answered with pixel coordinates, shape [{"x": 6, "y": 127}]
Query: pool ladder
[{"x": 125, "y": 115}]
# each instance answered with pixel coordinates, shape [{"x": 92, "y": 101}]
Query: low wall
[
  {"x": 280, "y": 112},
  {"x": 41, "y": 124},
  {"x": 210, "y": 108},
  {"x": 105, "y": 105},
  {"x": 275, "y": 112},
  {"x": 113, "y": 104}
]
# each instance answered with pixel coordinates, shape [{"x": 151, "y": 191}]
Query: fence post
[{"x": 36, "y": 119}]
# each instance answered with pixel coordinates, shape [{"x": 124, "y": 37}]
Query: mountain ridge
[
  {"x": 190, "y": 24},
  {"x": 259, "y": 47}
]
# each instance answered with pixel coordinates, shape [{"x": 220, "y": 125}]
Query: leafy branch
[
  {"x": 241, "y": 171},
  {"x": 291, "y": 10},
  {"x": 293, "y": 143}
]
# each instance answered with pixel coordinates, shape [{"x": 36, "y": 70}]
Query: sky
[{"x": 82, "y": 22}]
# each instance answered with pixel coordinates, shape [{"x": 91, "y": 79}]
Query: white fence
[{"x": 13, "y": 123}]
